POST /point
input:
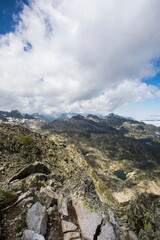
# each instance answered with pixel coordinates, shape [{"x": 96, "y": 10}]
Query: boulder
[
  {"x": 36, "y": 167},
  {"x": 37, "y": 219},
  {"x": 31, "y": 235},
  {"x": 131, "y": 236},
  {"x": 62, "y": 206},
  {"x": 68, "y": 226},
  {"x": 88, "y": 221},
  {"x": 48, "y": 197},
  {"x": 107, "y": 232}
]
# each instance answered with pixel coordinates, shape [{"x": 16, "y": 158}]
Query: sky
[{"x": 84, "y": 56}]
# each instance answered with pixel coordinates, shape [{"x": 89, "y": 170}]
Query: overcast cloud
[{"x": 80, "y": 55}]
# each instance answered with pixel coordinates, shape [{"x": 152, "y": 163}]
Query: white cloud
[{"x": 75, "y": 51}]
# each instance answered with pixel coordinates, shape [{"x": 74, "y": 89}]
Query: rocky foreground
[{"x": 51, "y": 192}]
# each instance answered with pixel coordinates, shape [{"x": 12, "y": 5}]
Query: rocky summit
[{"x": 85, "y": 178}]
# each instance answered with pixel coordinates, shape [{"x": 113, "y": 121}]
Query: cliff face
[{"x": 49, "y": 189}]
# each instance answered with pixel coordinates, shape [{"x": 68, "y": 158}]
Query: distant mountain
[
  {"x": 17, "y": 118},
  {"x": 90, "y": 123},
  {"x": 113, "y": 119},
  {"x": 53, "y": 116}
]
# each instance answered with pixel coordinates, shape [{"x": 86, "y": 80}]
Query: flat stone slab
[
  {"x": 68, "y": 226},
  {"x": 70, "y": 235}
]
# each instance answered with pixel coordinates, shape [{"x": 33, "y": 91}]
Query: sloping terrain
[
  {"x": 92, "y": 165},
  {"x": 124, "y": 153}
]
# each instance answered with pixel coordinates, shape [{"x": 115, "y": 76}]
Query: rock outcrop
[
  {"x": 30, "y": 169},
  {"x": 47, "y": 197}
]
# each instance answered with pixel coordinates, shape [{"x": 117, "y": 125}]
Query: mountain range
[{"x": 103, "y": 172}]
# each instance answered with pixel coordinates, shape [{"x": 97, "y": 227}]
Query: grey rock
[
  {"x": 47, "y": 196},
  {"x": 68, "y": 226},
  {"x": 107, "y": 232},
  {"x": 62, "y": 206},
  {"x": 88, "y": 221},
  {"x": 111, "y": 217},
  {"x": 38, "y": 237},
  {"x": 31, "y": 235},
  {"x": 28, "y": 235},
  {"x": 37, "y": 219}
]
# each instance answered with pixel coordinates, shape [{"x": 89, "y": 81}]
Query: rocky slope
[
  {"x": 63, "y": 184},
  {"x": 35, "y": 170}
]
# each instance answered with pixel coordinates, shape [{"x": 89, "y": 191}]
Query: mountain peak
[{"x": 78, "y": 117}]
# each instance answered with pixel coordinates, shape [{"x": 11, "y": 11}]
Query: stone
[
  {"x": 37, "y": 219},
  {"x": 88, "y": 221},
  {"x": 36, "y": 167},
  {"x": 131, "y": 236},
  {"x": 38, "y": 237},
  {"x": 62, "y": 208},
  {"x": 48, "y": 197},
  {"x": 28, "y": 235},
  {"x": 23, "y": 196},
  {"x": 31, "y": 235},
  {"x": 51, "y": 210},
  {"x": 111, "y": 217},
  {"x": 25, "y": 201},
  {"x": 70, "y": 235},
  {"x": 107, "y": 232},
  {"x": 68, "y": 226}
]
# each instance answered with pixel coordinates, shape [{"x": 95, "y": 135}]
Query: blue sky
[
  {"x": 93, "y": 57},
  {"x": 9, "y": 8}
]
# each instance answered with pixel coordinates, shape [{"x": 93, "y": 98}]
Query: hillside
[{"x": 100, "y": 175}]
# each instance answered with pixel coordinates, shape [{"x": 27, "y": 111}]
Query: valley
[{"x": 108, "y": 164}]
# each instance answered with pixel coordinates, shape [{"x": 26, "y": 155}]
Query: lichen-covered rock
[
  {"x": 88, "y": 221},
  {"x": 144, "y": 216},
  {"x": 47, "y": 196},
  {"x": 37, "y": 219},
  {"x": 62, "y": 206}
]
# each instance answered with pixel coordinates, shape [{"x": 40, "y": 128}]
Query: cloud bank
[{"x": 83, "y": 56}]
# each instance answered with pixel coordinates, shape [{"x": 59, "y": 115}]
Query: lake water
[
  {"x": 84, "y": 153},
  {"x": 120, "y": 174}
]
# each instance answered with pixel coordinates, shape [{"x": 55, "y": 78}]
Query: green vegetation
[
  {"x": 20, "y": 225},
  {"x": 7, "y": 198},
  {"x": 26, "y": 140}
]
